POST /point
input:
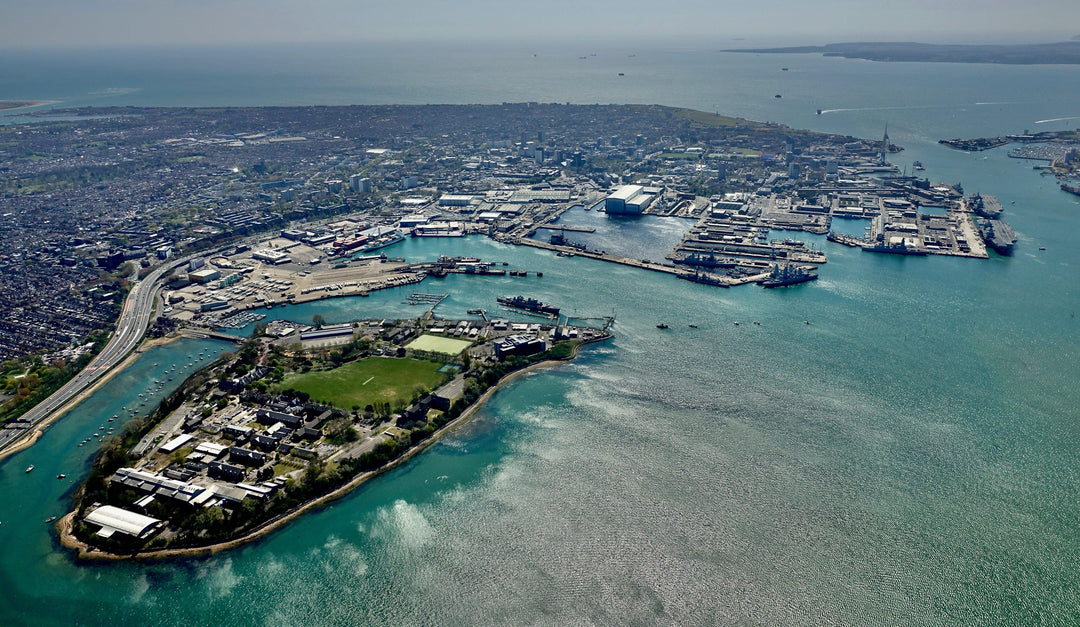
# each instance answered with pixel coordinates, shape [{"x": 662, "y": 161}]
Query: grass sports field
[
  {"x": 436, "y": 344},
  {"x": 367, "y": 381}
]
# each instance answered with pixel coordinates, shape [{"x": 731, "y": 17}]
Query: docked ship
[
  {"x": 846, "y": 240},
  {"x": 708, "y": 260},
  {"x": 899, "y": 246},
  {"x": 998, "y": 235},
  {"x": 986, "y": 205},
  {"x": 1065, "y": 187},
  {"x": 787, "y": 275},
  {"x": 529, "y": 304},
  {"x": 705, "y": 278},
  {"x": 385, "y": 239}
]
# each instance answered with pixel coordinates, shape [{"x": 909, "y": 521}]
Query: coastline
[
  {"x": 30, "y": 439},
  {"x": 65, "y": 525},
  {"x": 17, "y": 105}
]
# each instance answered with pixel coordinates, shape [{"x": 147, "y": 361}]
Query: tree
[
  {"x": 318, "y": 321},
  {"x": 340, "y": 431}
]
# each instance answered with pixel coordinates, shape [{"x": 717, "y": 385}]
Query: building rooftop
[{"x": 113, "y": 519}]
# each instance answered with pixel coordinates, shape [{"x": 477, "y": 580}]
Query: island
[{"x": 1061, "y": 53}]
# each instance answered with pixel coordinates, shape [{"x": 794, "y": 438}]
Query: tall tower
[{"x": 885, "y": 145}]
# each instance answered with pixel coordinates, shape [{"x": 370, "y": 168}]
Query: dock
[{"x": 569, "y": 251}]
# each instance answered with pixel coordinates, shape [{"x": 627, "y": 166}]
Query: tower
[{"x": 885, "y": 145}]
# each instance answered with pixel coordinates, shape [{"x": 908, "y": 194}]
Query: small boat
[
  {"x": 61, "y": 476},
  {"x": 692, "y": 326},
  {"x": 661, "y": 326},
  {"x": 30, "y": 468},
  {"x": 50, "y": 519},
  {"x": 777, "y": 96},
  {"x": 819, "y": 111},
  {"x": 736, "y": 323}
]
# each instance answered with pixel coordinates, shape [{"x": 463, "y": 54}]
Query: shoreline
[
  {"x": 23, "y": 104},
  {"x": 65, "y": 525},
  {"x": 29, "y": 440}
]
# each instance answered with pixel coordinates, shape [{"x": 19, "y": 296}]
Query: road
[{"x": 129, "y": 331}]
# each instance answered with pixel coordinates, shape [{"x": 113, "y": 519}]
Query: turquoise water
[{"x": 907, "y": 457}]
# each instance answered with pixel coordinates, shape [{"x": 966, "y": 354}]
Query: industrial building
[
  {"x": 115, "y": 519},
  {"x": 270, "y": 256},
  {"x": 204, "y": 275},
  {"x": 455, "y": 200},
  {"x": 630, "y": 199}
]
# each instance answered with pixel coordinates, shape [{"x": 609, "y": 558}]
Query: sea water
[{"x": 891, "y": 444}]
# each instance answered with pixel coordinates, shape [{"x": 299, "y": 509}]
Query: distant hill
[{"x": 1065, "y": 52}]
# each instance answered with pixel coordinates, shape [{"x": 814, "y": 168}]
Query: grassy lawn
[
  {"x": 367, "y": 381},
  {"x": 282, "y": 468}
]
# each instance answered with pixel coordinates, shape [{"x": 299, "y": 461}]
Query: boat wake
[{"x": 1072, "y": 117}]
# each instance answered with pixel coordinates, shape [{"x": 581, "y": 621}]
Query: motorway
[{"x": 133, "y": 321}]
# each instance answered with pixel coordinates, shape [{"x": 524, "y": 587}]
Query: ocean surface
[{"x": 894, "y": 444}]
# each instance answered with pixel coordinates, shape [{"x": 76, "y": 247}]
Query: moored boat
[
  {"x": 787, "y": 275},
  {"x": 530, "y": 304}
]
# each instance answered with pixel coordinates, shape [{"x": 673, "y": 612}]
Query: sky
[{"x": 724, "y": 23}]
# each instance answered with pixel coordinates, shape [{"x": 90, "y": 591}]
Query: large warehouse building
[{"x": 630, "y": 199}]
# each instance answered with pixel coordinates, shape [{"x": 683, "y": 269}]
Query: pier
[
  {"x": 570, "y": 251},
  {"x": 567, "y": 227}
]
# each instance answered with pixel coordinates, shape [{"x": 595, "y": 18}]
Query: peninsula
[
  {"x": 297, "y": 416},
  {"x": 1065, "y": 52}
]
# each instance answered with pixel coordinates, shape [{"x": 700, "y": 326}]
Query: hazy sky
[{"x": 48, "y": 23}]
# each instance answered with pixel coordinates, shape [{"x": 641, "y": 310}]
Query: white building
[
  {"x": 115, "y": 519},
  {"x": 630, "y": 199}
]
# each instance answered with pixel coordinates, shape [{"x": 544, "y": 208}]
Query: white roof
[
  {"x": 176, "y": 443},
  {"x": 116, "y": 519},
  {"x": 211, "y": 448},
  {"x": 626, "y": 192}
]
